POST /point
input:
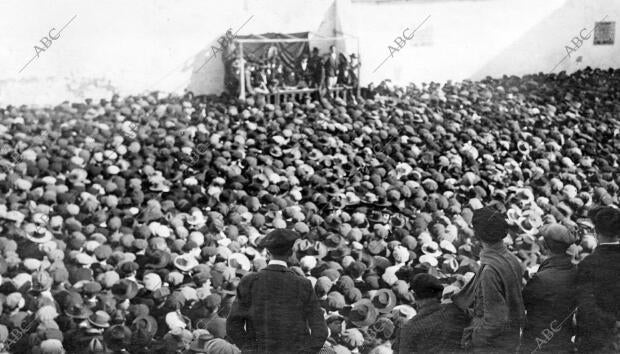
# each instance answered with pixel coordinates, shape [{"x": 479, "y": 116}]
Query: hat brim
[
  {"x": 97, "y": 324},
  {"x": 371, "y": 315},
  {"x": 46, "y": 237},
  {"x": 84, "y": 314},
  {"x": 391, "y": 303},
  {"x": 185, "y": 268}
]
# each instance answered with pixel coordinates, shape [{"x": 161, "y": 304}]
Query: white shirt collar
[{"x": 277, "y": 262}]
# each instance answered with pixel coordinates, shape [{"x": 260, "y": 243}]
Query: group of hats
[{"x": 376, "y": 191}]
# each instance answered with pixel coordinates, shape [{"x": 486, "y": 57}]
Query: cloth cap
[
  {"x": 489, "y": 224},
  {"x": 279, "y": 241},
  {"x": 558, "y": 232}
]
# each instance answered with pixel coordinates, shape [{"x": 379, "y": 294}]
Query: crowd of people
[
  {"x": 129, "y": 224},
  {"x": 322, "y": 72}
]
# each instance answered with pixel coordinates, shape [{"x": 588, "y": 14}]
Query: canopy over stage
[{"x": 288, "y": 48}]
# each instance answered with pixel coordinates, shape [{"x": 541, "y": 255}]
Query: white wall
[
  {"x": 473, "y": 39},
  {"x": 138, "y": 45},
  {"x": 143, "y": 45}
]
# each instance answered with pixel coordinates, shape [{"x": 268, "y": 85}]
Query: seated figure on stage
[
  {"x": 290, "y": 79},
  {"x": 260, "y": 80}
]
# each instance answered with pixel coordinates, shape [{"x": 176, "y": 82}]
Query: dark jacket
[
  {"x": 304, "y": 74},
  {"x": 493, "y": 298},
  {"x": 437, "y": 328},
  {"x": 550, "y": 299},
  {"x": 331, "y": 66},
  {"x": 316, "y": 67},
  {"x": 276, "y": 311},
  {"x": 598, "y": 279}
]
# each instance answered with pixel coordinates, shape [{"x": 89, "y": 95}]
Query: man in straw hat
[{"x": 276, "y": 310}]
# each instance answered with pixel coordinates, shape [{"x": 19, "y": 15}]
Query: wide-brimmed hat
[
  {"x": 431, "y": 249},
  {"x": 363, "y": 313},
  {"x": 78, "y": 311},
  {"x": 159, "y": 259},
  {"x": 199, "y": 345},
  {"x": 40, "y": 235},
  {"x": 185, "y": 262},
  {"x": 513, "y": 214},
  {"x": 125, "y": 289},
  {"x": 530, "y": 222},
  {"x": 384, "y": 300},
  {"x": 117, "y": 337}
]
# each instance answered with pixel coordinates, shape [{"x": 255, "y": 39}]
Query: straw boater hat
[
  {"x": 185, "y": 262},
  {"x": 38, "y": 234}
]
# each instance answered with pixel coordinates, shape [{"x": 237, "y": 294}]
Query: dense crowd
[{"x": 128, "y": 223}]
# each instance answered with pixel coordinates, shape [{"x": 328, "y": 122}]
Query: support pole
[{"x": 242, "y": 73}]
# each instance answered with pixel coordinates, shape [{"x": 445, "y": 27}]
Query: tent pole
[
  {"x": 241, "y": 73},
  {"x": 359, "y": 79}
]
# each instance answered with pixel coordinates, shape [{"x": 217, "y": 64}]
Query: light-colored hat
[{"x": 185, "y": 262}]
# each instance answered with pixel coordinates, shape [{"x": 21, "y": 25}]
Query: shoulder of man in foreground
[{"x": 246, "y": 282}]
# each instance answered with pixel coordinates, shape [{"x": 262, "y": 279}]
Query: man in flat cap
[
  {"x": 493, "y": 297},
  {"x": 276, "y": 310},
  {"x": 437, "y": 327},
  {"x": 550, "y": 296}
]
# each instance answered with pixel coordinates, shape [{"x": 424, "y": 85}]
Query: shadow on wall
[
  {"x": 206, "y": 70},
  {"x": 556, "y": 42},
  {"x": 201, "y": 73}
]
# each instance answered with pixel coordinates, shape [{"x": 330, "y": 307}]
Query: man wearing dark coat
[
  {"x": 316, "y": 67},
  {"x": 598, "y": 279},
  {"x": 493, "y": 297},
  {"x": 276, "y": 310},
  {"x": 436, "y": 328},
  {"x": 550, "y": 297}
]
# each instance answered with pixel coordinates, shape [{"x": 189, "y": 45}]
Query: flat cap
[
  {"x": 558, "y": 232},
  {"x": 279, "y": 241}
]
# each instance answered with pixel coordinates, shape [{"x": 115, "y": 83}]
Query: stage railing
[{"x": 301, "y": 95}]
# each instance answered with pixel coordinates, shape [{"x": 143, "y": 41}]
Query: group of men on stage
[{"x": 314, "y": 71}]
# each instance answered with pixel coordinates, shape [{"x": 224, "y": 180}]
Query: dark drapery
[{"x": 288, "y": 52}]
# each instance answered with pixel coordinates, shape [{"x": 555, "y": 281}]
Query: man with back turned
[{"x": 276, "y": 310}]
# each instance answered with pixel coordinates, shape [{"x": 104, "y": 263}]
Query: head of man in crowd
[
  {"x": 332, "y": 50},
  {"x": 426, "y": 289},
  {"x": 606, "y": 220},
  {"x": 279, "y": 243},
  {"x": 557, "y": 238},
  {"x": 490, "y": 225}
]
